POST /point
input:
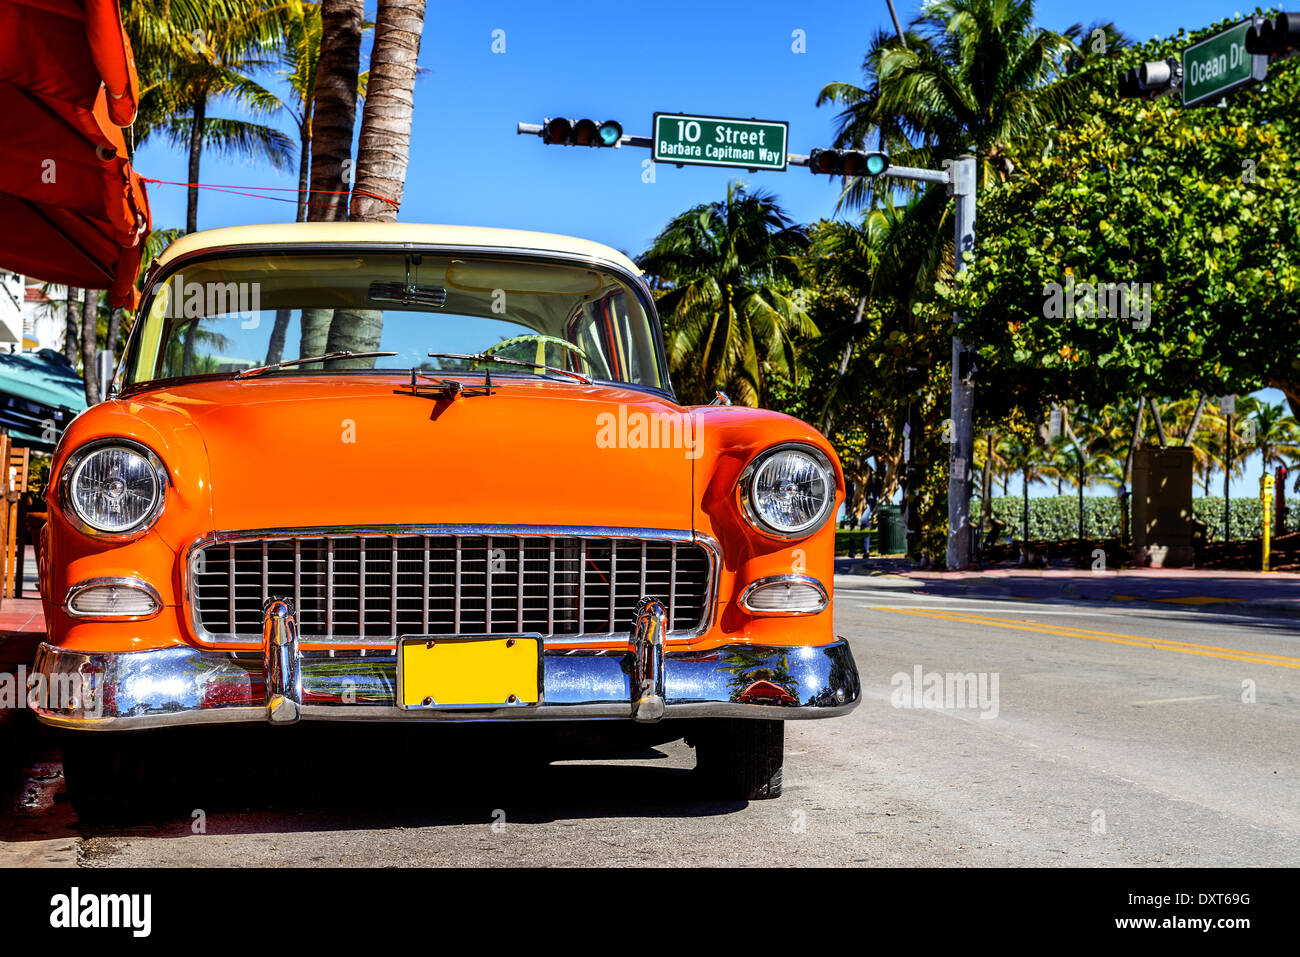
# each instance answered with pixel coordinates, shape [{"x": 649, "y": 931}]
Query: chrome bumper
[{"x": 644, "y": 683}]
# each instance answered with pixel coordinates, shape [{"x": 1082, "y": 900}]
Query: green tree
[
  {"x": 200, "y": 58},
  {"x": 1189, "y": 217},
  {"x": 729, "y": 272}
]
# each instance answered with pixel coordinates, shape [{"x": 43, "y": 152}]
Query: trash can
[{"x": 889, "y": 531}]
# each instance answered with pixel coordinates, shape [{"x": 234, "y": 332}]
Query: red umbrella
[{"x": 72, "y": 210}]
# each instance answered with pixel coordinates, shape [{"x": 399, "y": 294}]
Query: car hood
[{"x": 321, "y": 451}]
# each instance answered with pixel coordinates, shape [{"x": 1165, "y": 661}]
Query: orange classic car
[{"x": 403, "y": 473}]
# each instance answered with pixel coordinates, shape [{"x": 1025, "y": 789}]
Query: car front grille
[{"x": 374, "y": 587}]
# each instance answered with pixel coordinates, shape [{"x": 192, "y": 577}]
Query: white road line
[{"x": 1199, "y": 697}]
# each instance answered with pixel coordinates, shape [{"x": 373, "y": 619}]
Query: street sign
[
  {"x": 719, "y": 141},
  {"x": 1219, "y": 64}
]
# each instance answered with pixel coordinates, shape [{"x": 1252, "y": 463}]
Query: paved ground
[{"x": 1125, "y": 734}]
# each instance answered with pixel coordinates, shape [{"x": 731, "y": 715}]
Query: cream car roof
[{"x": 421, "y": 233}]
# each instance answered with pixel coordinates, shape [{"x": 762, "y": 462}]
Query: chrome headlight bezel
[
  {"x": 84, "y": 525},
  {"x": 745, "y": 491},
  {"x": 134, "y": 584}
]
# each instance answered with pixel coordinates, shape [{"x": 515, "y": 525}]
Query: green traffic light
[
  {"x": 877, "y": 163},
  {"x": 611, "y": 131}
]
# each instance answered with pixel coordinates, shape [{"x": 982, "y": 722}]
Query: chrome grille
[{"x": 375, "y": 587}]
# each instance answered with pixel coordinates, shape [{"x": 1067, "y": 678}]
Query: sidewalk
[
  {"x": 1272, "y": 593},
  {"x": 22, "y": 629}
]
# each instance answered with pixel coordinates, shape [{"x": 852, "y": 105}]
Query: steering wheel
[{"x": 542, "y": 341}]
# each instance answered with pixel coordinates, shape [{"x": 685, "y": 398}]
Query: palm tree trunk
[
  {"x": 304, "y": 167},
  {"x": 825, "y": 422},
  {"x": 986, "y": 487},
  {"x": 385, "y": 141},
  {"x": 89, "y": 341},
  {"x": 1024, "y": 508},
  {"x": 335, "y": 108},
  {"x": 1137, "y": 439},
  {"x": 275, "y": 347},
  {"x": 110, "y": 340},
  {"x": 1190, "y": 437},
  {"x": 383, "y": 148},
  {"x": 1160, "y": 426},
  {"x": 72, "y": 325},
  {"x": 196, "y": 152}
]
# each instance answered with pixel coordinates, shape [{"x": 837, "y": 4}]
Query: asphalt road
[{"x": 1104, "y": 736}]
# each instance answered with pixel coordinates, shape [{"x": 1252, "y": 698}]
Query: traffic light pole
[{"x": 962, "y": 408}]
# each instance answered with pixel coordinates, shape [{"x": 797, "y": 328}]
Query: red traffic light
[{"x": 556, "y": 131}]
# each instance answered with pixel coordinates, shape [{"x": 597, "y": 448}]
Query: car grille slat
[{"x": 375, "y": 587}]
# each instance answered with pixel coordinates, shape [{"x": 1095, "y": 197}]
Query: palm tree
[
  {"x": 730, "y": 270},
  {"x": 970, "y": 75},
  {"x": 383, "y": 148},
  {"x": 1024, "y": 455},
  {"x": 195, "y": 69},
  {"x": 1275, "y": 433}
]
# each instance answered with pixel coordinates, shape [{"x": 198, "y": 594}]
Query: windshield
[{"x": 222, "y": 316}]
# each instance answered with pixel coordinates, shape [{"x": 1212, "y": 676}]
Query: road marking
[
  {"x": 1137, "y": 641},
  {"x": 1199, "y": 697}
]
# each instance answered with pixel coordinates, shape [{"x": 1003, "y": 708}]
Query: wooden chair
[{"x": 14, "y": 484}]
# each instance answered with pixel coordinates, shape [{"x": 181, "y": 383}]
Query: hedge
[{"x": 1056, "y": 518}]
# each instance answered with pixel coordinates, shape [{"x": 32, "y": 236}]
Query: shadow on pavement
[{"x": 326, "y": 777}]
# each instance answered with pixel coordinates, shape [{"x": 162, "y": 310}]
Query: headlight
[
  {"x": 114, "y": 487},
  {"x": 788, "y": 491}
]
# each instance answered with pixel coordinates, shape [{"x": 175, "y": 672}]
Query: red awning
[{"x": 72, "y": 210}]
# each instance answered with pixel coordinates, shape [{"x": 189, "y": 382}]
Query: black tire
[
  {"x": 110, "y": 777},
  {"x": 740, "y": 759}
]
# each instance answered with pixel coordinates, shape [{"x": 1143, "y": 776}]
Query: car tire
[{"x": 741, "y": 759}]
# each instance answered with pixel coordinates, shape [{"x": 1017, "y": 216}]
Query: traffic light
[
  {"x": 1276, "y": 37},
  {"x": 1151, "y": 80},
  {"x": 847, "y": 163},
  {"x": 584, "y": 132}
]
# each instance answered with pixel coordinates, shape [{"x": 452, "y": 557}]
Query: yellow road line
[{"x": 1137, "y": 641}]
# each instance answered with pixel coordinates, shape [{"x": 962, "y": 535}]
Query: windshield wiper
[
  {"x": 482, "y": 357},
  {"x": 244, "y": 373}
]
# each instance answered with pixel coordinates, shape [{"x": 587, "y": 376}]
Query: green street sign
[
  {"x": 719, "y": 141},
  {"x": 1219, "y": 64}
]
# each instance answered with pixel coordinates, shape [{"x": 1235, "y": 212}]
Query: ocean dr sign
[
  {"x": 718, "y": 141},
  {"x": 1219, "y": 64}
]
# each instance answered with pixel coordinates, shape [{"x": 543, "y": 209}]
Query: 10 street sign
[
  {"x": 719, "y": 141},
  {"x": 1219, "y": 64}
]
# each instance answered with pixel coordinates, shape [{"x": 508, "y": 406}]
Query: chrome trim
[
  {"x": 645, "y": 651},
  {"x": 488, "y": 705},
  {"x": 183, "y": 685},
  {"x": 720, "y": 398},
  {"x": 751, "y": 514},
  {"x": 75, "y": 459},
  {"x": 282, "y": 662},
  {"x": 583, "y": 533},
  {"x": 162, "y": 274},
  {"x": 120, "y": 582},
  {"x": 780, "y": 579}
]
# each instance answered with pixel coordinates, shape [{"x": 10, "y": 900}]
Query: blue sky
[{"x": 624, "y": 61}]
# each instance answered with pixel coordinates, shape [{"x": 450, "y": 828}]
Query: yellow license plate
[{"x": 460, "y": 672}]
